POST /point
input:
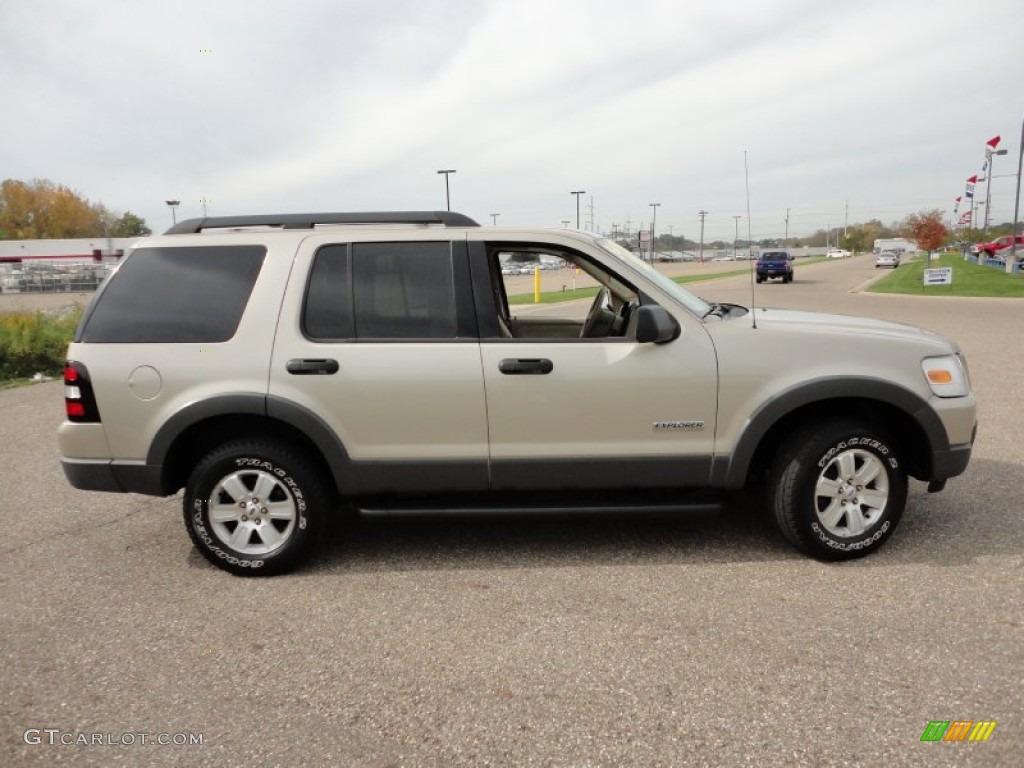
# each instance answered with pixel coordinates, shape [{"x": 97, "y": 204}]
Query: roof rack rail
[{"x": 310, "y": 220}]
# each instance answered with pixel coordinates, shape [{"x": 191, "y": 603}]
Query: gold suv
[{"x": 279, "y": 368}]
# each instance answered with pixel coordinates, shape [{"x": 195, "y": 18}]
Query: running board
[{"x": 481, "y": 506}]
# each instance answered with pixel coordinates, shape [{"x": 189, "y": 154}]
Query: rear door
[{"x": 378, "y": 340}]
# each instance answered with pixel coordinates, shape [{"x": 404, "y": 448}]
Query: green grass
[
  {"x": 968, "y": 279},
  {"x": 553, "y": 297},
  {"x": 35, "y": 342}
]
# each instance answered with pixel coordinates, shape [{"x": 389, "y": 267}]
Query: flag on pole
[
  {"x": 973, "y": 180},
  {"x": 993, "y": 142}
]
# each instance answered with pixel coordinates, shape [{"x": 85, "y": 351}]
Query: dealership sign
[{"x": 938, "y": 276}]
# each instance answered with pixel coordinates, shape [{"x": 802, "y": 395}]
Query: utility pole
[
  {"x": 736, "y": 235},
  {"x": 702, "y": 213},
  {"x": 447, "y": 193},
  {"x": 578, "y": 193},
  {"x": 494, "y": 219},
  {"x": 173, "y": 205},
  {"x": 654, "y": 220},
  {"x": 592, "y": 226},
  {"x": 785, "y": 241}
]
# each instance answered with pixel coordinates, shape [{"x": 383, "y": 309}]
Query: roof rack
[{"x": 311, "y": 220}]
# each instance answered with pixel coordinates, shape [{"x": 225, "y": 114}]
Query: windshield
[{"x": 672, "y": 288}]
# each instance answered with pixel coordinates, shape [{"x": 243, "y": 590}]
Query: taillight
[{"x": 79, "y": 400}]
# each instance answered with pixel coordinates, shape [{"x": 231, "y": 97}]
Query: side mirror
[{"x": 655, "y": 324}]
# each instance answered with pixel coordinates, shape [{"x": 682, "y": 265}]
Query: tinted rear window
[{"x": 175, "y": 295}]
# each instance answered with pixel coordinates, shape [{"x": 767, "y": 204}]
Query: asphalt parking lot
[{"x": 569, "y": 642}]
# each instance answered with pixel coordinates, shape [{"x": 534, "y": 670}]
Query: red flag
[
  {"x": 972, "y": 180},
  {"x": 958, "y": 199},
  {"x": 993, "y": 143}
]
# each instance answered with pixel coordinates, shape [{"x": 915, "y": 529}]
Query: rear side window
[
  {"x": 195, "y": 294},
  {"x": 372, "y": 291}
]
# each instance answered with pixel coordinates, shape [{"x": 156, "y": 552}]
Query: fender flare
[{"x": 730, "y": 471}]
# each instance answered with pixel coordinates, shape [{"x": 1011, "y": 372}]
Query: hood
[{"x": 783, "y": 319}]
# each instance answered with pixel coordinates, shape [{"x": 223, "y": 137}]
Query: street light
[
  {"x": 566, "y": 223},
  {"x": 447, "y": 193},
  {"x": 735, "y": 235},
  {"x": 578, "y": 193},
  {"x": 173, "y": 205},
  {"x": 654, "y": 220},
  {"x": 990, "y": 155},
  {"x": 494, "y": 219}
]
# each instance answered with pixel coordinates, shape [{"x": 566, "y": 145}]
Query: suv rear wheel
[
  {"x": 254, "y": 507},
  {"x": 838, "y": 492}
]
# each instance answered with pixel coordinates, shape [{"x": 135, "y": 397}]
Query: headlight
[{"x": 946, "y": 375}]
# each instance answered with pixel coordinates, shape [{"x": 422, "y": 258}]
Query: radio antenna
[{"x": 753, "y": 268}]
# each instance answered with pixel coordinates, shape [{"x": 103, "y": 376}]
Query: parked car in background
[
  {"x": 887, "y": 259},
  {"x": 837, "y": 253},
  {"x": 998, "y": 248},
  {"x": 775, "y": 264}
]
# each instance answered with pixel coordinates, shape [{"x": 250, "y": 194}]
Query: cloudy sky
[{"x": 858, "y": 108}]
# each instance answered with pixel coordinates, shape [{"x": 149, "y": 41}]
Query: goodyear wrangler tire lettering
[
  {"x": 838, "y": 490},
  {"x": 254, "y": 507}
]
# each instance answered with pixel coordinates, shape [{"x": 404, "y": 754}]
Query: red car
[{"x": 997, "y": 246}]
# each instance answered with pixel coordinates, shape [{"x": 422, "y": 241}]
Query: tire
[
  {"x": 241, "y": 532},
  {"x": 812, "y": 505},
  {"x": 760, "y": 279}
]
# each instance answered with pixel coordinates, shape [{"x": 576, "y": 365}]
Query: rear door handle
[
  {"x": 314, "y": 366},
  {"x": 512, "y": 366}
]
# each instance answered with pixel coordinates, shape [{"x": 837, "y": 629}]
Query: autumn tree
[
  {"x": 928, "y": 229},
  {"x": 40, "y": 209}
]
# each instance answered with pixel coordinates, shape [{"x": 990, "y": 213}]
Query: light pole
[
  {"x": 785, "y": 240},
  {"x": 494, "y": 219},
  {"x": 578, "y": 193},
  {"x": 1016, "y": 204},
  {"x": 447, "y": 192},
  {"x": 990, "y": 156},
  {"x": 654, "y": 220},
  {"x": 203, "y": 202},
  {"x": 702, "y": 213},
  {"x": 173, "y": 205},
  {"x": 735, "y": 234},
  {"x": 566, "y": 223}
]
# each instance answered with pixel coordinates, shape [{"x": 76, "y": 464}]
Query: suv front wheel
[
  {"x": 838, "y": 492},
  {"x": 254, "y": 507}
]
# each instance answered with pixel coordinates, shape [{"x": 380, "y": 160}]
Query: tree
[
  {"x": 41, "y": 209},
  {"x": 928, "y": 229},
  {"x": 130, "y": 225}
]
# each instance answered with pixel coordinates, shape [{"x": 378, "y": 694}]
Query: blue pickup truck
[{"x": 775, "y": 264}]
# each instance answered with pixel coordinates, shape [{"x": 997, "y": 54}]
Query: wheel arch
[
  {"x": 198, "y": 428},
  {"x": 903, "y": 416}
]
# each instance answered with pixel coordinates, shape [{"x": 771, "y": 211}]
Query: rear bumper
[{"x": 112, "y": 476}]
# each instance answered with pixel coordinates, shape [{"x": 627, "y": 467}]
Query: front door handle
[
  {"x": 512, "y": 366},
  {"x": 314, "y": 366}
]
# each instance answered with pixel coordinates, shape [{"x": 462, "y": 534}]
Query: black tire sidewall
[
  {"x": 303, "y": 485},
  {"x": 794, "y": 497}
]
